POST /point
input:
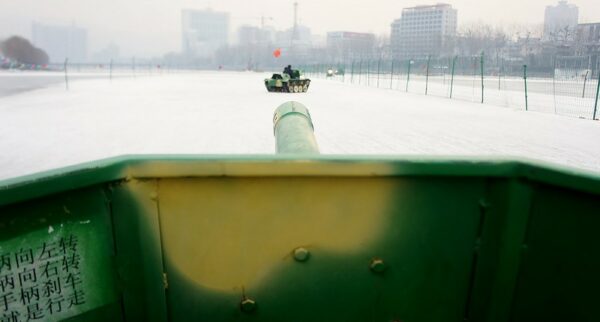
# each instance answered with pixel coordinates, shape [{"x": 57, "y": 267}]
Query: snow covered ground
[
  {"x": 16, "y": 81},
  {"x": 571, "y": 98},
  {"x": 231, "y": 113}
]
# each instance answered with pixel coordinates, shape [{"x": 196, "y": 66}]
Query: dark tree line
[{"x": 21, "y": 50}]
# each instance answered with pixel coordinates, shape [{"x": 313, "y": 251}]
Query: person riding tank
[{"x": 288, "y": 70}]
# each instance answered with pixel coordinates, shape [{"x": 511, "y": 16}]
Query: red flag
[{"x": 277, "y": 53}]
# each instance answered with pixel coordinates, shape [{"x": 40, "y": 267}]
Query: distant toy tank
[{"x": 286, "y": 84}]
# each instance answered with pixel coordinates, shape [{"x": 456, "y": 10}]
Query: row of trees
[{"x": 22, "y": 51}]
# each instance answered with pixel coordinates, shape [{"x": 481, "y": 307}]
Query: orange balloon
[{"x": 277, "y": 53}]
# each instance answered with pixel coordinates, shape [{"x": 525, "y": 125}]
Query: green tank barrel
[{"x": 293, "y": 130}]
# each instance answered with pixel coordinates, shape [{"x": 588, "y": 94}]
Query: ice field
[{"x": 231, "y": 113}]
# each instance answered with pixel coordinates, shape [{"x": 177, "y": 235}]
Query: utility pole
[
  {"x": 295, "y": 32},
  {"x": 294, "y": 37}
]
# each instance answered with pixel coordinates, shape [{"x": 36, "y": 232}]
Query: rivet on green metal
[
  {"x": 301, "y": 254},
  {"x": 248, "y": 305},
  {"x": 378, "y": 266}
]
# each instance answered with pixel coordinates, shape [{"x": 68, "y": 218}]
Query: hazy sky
[{"x": 152, "y": 27}]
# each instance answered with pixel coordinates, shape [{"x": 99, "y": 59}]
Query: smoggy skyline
[{"x": 153, "y": 27}]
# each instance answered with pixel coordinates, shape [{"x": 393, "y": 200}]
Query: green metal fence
[{"x": 570, "y": 88}]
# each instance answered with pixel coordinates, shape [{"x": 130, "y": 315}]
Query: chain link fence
[
  {"x": 570, "y": 88},
  {"x": 68, "y": 70}
]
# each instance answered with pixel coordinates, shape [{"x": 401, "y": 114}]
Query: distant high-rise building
[
  {"x": 345, "y": 44},
  {"x": 203, "y": 32},
  {"x": 423, "y": 30},
  {"x": 61, "y": 42},
  {"x": 300, "y": 35},
  {"x": 560, "y": 22},
  {"x": 588, "y": 39},
  {"x": 251, "y": 35}
]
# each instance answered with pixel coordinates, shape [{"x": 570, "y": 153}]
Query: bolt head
[
  {"x": 248, "y": 305},
  {"x": 301, "y": 254},
  {"x": 378, "y": 266}
]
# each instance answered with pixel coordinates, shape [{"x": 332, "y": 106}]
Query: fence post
[
  {"x": 525, "y": 80},
  {"x": 408, "y": 74},
  {"x": 368, "y": 73},
  {"x": 392, "y": 75},
  {"x": 500, "y": 70},
  {"x": 597, "y": 92},
  {"x": 352, "y": 73},
  {"x": 452, "y": 77},
  {"x": 66, "y": 74},
  {"x": 481, "y": 65},
  {"x": 133, "y": 65},
  {"x": 584, "y": 83},
  {"x": 427, "y": 74},
  {"x": 110, "y": 70},
  {"x": 359, "y": 71},
  {"x": 378, "y": 70},
  {"x": 554, "y": 83}
]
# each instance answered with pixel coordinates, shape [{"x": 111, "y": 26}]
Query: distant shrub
[{"x": 21, "y": 50}]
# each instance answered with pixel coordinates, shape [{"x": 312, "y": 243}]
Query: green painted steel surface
[
  {"x": 388, "y": 239},
  {"x": 57, "y": 258},
  {"x": 293, "y": 129}
]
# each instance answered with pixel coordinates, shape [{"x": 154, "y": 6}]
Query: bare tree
[
  {"x": 563, "y": 35},
  {"x": 480, "y": 37}
]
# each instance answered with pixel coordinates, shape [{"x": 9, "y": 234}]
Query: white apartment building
[
  {"x": 203, "y": 32},
  {"x": 423, "y": 30},
  {"x": 560, "y": 22}
]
